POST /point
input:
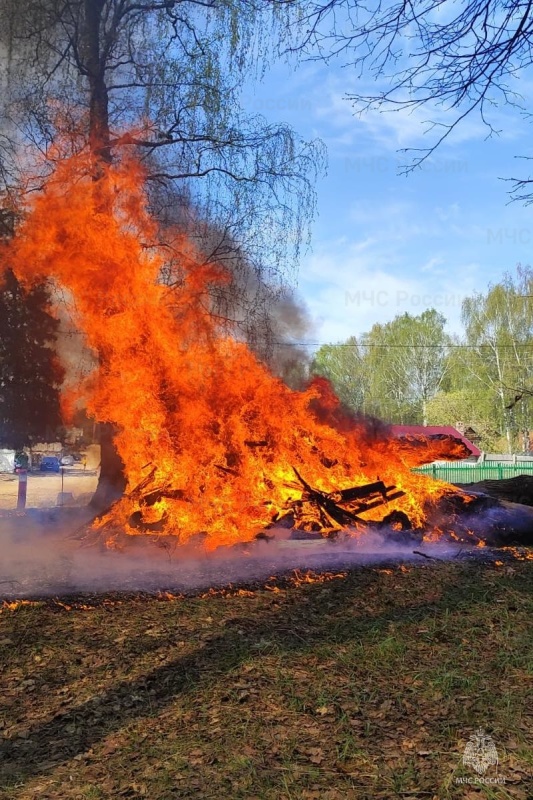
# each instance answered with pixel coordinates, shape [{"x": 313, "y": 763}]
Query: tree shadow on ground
[{"x": 321, "y": 613}]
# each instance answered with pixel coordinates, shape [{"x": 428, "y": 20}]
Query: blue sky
[{"x": 384, "y": 244}]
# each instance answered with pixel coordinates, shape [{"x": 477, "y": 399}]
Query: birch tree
[
  {"x": 408, "y": 359},
  {"x": 344, "y": 365},
  {"x": 499, "y": 336},
  {"x": 162, "y": 77},
  {"x": 393, "y": 370}
]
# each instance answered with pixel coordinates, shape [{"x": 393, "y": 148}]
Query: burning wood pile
[
  {"x": 152, "y": 507},
  {"x": 213, "y": 445},
  {"x": 311, "y": 513},
  {"x": 342, "y": 515},
  {"x": 315, "y": 511},
  {"x": 332, "y": 511}
]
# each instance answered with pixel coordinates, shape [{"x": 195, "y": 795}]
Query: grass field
[{"x": 366, "y": 685}]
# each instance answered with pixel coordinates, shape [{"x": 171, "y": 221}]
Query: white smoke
[{"x": 43, "y": 557}]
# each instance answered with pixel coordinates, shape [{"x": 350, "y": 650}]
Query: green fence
[{"x": 472, "y": 473}]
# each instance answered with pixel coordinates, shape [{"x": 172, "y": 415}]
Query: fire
[
  {"x": 209, "y": 438},
  {"x": 520, "y": 553},
  {"x": 14, "y": 605}
]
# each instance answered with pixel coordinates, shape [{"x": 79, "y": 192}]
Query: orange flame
[{"x": 211, "y": 433}]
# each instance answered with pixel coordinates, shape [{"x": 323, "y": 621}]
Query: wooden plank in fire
[
  {"x": 156, "y": 495},
  {"x": 334, "y": 505},
  {"x": 341, "y": 516},
  {"x": 358, "y": 492},
  {"x": 139, "y": 489},
  {"x": 361, "y": 507}
]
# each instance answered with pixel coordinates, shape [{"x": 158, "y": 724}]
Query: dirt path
[{"x": 44, "y": 488}]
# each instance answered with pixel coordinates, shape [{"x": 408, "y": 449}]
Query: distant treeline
[{"x": 410, "y": 370}]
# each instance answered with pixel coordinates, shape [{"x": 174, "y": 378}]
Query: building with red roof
[{"x": 434, "y": 430}]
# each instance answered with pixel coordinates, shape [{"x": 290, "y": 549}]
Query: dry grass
[{"x": 364, "y": 686}]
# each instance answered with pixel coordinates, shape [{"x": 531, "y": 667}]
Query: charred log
[
  {"x": 155, "y": 496},
  {"x": 227, "y": 470},
  {"x": 136, "y": 521},
  {"x": 376, "y": 503},
  {"x": 398, "y": 520},
  {"x": 358, "y": 492},
  {"x": 340, "y": 509}
]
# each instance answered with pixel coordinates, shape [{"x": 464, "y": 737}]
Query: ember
[{"x": 215, "y": 448}]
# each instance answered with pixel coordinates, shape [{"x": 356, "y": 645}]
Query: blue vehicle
[{"x": 50, "y": 464}]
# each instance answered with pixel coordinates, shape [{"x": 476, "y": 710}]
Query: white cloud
[
  {"x": 413, "y": 127},
  {"x": 394, "y": 129},
  {"x": 428, "y": 240},
  {"x": 434, "y": 266},
  {"x": 348, "y": 289}
]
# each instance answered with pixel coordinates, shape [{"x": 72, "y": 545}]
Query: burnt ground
[{"x": 53, "y": 551}]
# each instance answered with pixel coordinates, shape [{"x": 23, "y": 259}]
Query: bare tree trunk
[
  {"x": 501, "y": 394},
  {"x": 112, "y": 480},
  {"x": 98, "y": 94}
]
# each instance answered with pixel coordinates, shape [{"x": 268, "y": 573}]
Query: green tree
[
  {"x": 394, "y": 370},
  {"x": 30, "y": 375},
  {"x": 469, "y": 405},
  {"x": 499, "y": 336},
  {"x": 408, "y": 361},
  {"x": 344, "y": 365}
]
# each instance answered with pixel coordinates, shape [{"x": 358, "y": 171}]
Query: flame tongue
[{"x": 209, "y": 437}]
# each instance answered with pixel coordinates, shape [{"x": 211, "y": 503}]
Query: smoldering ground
[{"x": 56, "y": 554}]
